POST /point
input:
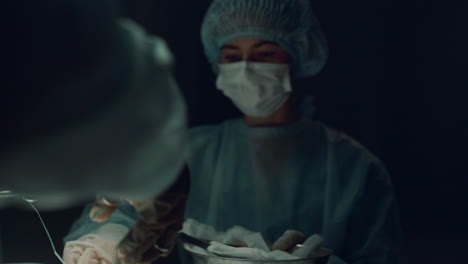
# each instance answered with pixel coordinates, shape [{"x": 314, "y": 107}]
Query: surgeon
[
  {"x": 90, "y": 107},
  {"x": 277, "y": 168}
]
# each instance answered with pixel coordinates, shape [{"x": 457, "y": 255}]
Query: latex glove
[
  {"x": 97, "y": 248},
  {"x": 235, "y": 236},
  {"x": 288, "y": 240},
  {"x": 309, "y": 246},
  {"x": 248, "y": 252},
  {"x": 155, "y": 233},
  {"x": 237, "y": 241},
  {"x": 240, "y": 236}
]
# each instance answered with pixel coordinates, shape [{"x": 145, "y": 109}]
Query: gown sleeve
[
  {"x": 373, "y": 232},
  {"x": 125, "y": 215}
]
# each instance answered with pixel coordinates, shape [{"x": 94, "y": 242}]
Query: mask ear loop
[{"x": 5, "y": 194}]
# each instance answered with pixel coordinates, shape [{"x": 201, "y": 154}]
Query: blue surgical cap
[{"x": 289, "y": 23}]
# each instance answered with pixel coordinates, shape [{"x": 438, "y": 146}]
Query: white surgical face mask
[{"x": 257, "y": 89}]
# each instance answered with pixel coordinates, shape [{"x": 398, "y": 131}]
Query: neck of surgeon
[{"x": 283, "y": 116}]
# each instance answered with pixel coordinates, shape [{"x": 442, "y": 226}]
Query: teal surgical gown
[{"x": 303, "y": 176}]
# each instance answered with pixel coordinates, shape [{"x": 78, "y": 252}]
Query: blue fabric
[
  {"x": 125, "y": 215},
  {"x": 302, "y": 176},
  {"x": 289, "y": 23}
]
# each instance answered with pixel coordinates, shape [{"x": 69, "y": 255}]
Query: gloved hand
[
  {"x": 236, "y": 242},
  {"x": 235, "y": 236},
  {"x": 155, "y": 233},
  {"x": 291, "y": 238},
  {"x": 288, "y": 240},
  {"x": 309, "y": 246},
  {"x": 97, "y": 248}
]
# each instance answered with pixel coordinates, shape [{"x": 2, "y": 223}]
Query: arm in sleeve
[
  {"x": 124, "y": 215},
  {"x": 373, "y": 232}
]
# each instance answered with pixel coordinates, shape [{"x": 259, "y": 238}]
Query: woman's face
[{"x": 253, "y": 50}]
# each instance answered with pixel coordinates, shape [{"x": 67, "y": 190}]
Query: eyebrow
[
  {"x": 265, "y": 43},
  {"x": 228, "y": 46}
]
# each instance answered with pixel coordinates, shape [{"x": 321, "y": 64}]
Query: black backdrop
[{"x": 395, "y": 81}]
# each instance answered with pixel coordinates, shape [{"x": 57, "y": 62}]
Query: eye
[
  {"x": 267, "y": 54},
  {"x": 231, "y": 58}
]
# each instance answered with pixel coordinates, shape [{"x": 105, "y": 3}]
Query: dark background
[{"x": 395, "y": 81}]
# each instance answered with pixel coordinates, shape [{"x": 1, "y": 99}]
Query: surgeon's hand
[
  {"x": 154, "y": 235},
  {"x": 291, "y": 238},
  {"x": 288, "y": 240}
]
